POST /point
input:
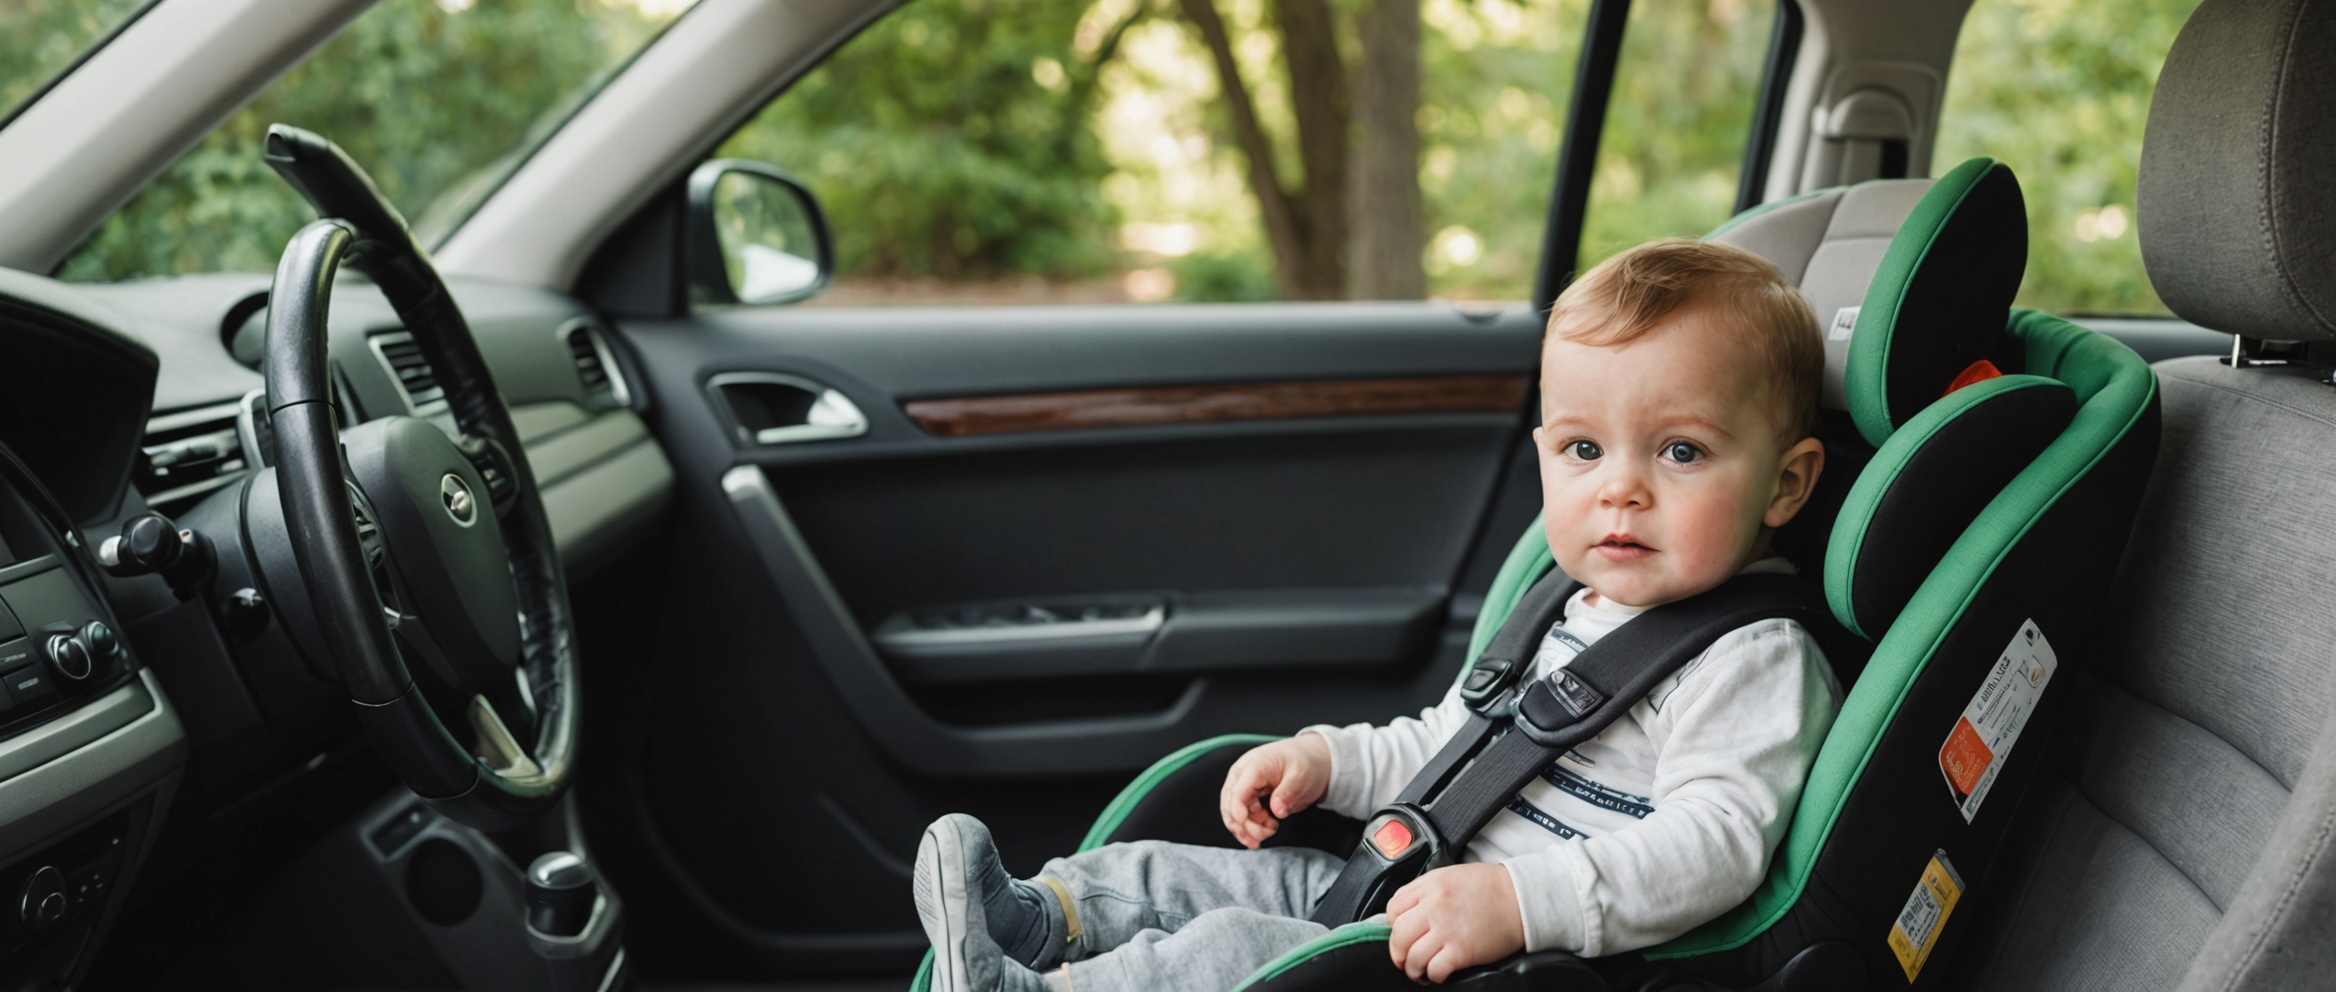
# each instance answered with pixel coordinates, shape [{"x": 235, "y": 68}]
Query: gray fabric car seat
[{"x": 2183, "y": 834}]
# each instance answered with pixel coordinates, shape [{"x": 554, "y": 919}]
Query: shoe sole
[{"x": 941, "y": 899}]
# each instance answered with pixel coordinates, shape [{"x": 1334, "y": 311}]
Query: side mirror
[{"x": 755, "y": 235}]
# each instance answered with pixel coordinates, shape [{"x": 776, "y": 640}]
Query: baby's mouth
[{"x": 1621, "y": 547}]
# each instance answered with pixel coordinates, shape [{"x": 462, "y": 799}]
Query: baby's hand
[
  {"x": 1272, "y": 782},
  {"x": 1454, "y": 917}
]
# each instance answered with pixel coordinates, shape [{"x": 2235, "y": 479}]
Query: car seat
[
  {"x": 2183, "y": 831},
  {"x": 1952, "y": 527}
]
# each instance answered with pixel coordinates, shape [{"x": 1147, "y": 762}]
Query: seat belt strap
[
  {"x": 1428, "y": 826},
  {"x": 1489, "y": 678}
]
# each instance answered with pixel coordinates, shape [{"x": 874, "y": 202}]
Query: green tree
[
  {"x": 955, "y": 139},
  {"x": 2060, "y": 92},
  {"x": 45, "y": 36},
  {"x": 422, "y": 93}
]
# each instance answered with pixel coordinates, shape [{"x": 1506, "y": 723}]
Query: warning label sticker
[
  {"x": 1991, "y": 724},
  {"x": 1844, "y": 324},
  {"x": 1917, "y": 928}
]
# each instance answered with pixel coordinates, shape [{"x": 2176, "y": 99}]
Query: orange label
[{"x": 1965, "y": 758}]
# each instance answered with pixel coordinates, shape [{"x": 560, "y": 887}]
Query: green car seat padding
[
  {"x": 1937, "y": 303},
  {"x": 1941, "y": 468}
]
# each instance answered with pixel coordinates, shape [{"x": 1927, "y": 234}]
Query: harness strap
[
  {"x": 1497, "y": 668},
  {"x": 1468, "y": 782}
]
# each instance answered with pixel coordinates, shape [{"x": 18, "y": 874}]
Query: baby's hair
[{"x": 1625, "y": 296}]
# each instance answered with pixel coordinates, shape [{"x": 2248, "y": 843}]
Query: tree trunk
[
  {"x": 1318, "y": 100},
  {"x": 1387, "y": 220},
  {"x": 1273, "y": 204},
  {"x": 1307, "y": 228}
]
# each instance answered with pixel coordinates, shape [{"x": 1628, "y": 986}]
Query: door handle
[{"x": 767, "y": 408}]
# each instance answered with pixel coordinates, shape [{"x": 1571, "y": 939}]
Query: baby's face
[{"x": 1660, "y": 461}]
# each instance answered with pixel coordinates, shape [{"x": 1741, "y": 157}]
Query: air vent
[
  {"x": 186, "y": 455},
  {"x": 404, "y": 360},
  {"x": 595, "y": 367}
]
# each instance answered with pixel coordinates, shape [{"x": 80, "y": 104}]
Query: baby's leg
[
  {"x": 1212, "y": 952},
  {"x": 1118, "y": 891}
]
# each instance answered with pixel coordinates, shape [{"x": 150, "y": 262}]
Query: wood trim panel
[{"x": 1154, "y": 406}]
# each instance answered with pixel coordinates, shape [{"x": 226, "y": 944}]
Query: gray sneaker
[{"x": 956, "y": 866}]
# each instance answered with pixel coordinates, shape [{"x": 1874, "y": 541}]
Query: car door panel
[{"x": 1285, "y": 509}]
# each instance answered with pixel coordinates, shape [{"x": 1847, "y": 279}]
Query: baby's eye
[
  {"x": 1585, "y": 450},
  {"x": 1682, "y": 452}
]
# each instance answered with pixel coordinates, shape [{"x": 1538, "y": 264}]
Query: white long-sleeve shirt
[{"x": 1662, "y": 822}]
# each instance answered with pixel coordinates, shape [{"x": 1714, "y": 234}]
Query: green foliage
[
  {"x": 952, "y": 139},
  {"x": 1234, "y": 276},
  {"x": 1684, "y": 94},
  {"x": 1498, "y": 78},
  {"x": 422, "y": 94},
  {"x": 976, "y": 140},
  {"x": 2060, "y": 92},
  {"x": 45, "y": 36}
]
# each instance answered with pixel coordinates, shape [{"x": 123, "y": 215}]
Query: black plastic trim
[
  {"x": 1784, "y": 50},
  {"x": 1585, "y": 125}
]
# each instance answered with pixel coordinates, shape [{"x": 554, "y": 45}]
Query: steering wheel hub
[{"x": 447, "y": 562}]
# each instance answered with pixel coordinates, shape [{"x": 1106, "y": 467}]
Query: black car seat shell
[{"x": 2183, "y": 831}]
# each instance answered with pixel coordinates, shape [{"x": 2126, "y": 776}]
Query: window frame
[{"x": 1600, "y": 59}]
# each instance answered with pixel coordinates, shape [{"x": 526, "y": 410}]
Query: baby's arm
[
  {"x": 1743, "y": 730},
  {"x": 1353, "y": 770}
]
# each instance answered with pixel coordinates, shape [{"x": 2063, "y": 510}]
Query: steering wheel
[{"x": 415, "y": 537}]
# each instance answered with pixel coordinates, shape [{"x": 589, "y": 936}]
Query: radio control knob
[
  {"x": 43, "y": 904},
  {"x": 69, "y": 657},
  {"x": 101, "y": 641}
]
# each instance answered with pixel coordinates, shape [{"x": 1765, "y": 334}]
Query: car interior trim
[
  {"x": 1784, "y": 46},
  {"x": 74, "y": 784},
  {"x": 1091, "y": 409},
  {"x": 75, "y": 729},
  {"x": 1577, "y": 157}
]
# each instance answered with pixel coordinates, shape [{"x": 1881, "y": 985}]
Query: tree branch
[{"x": 1273, "y": 203}]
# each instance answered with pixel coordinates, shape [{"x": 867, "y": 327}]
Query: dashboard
[{"x": 134, "y": 705}]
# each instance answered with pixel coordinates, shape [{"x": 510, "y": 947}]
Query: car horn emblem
[{"x": 459, "y": 503}]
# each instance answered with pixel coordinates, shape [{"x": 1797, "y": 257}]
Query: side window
[
  {"x": 437, "y": 99},
  {"x": 1089, "y": 151},
  {"x": 2060, "y": 92},
  {"x": 1685, "y": 92}
]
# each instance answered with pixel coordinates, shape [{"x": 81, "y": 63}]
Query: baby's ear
[{"x": 1796, "y": 480}]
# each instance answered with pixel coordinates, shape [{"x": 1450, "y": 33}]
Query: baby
[{"x": 1679, "y": 385}]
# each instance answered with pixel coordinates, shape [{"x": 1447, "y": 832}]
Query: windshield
[
  {"x": 45, "y": 37},
  {"x": 437, "y": 99}
]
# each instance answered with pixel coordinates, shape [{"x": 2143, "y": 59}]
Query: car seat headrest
[
  {"x": 1927, "y": 483},
  {"x": 1828, "y": 242},
  {"x": 2237, "y": 221},
  {"x": 1939, "y": 301}
]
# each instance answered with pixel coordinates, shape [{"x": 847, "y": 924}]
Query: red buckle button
[{"x": 1391, "y": 838}]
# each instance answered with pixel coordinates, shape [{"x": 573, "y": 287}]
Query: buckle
[
  {"x": 1400, "y": 835},
  {"x": 1487, "y": 680}
]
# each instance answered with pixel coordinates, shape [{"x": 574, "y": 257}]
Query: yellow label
[{"x": 1918, "y": 925}]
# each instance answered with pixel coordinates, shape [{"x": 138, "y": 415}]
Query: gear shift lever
[{"x": 561, "y": 889}]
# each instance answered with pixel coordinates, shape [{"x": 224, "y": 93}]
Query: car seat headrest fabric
[
  {"x": 2235, "y": 209},
  {"x": 1828, "y": 242},
  {"x": 1929, "y": 481},
  {"x": 1941, "y": 297}
]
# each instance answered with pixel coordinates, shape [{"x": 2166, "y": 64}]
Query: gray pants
[{"x": 1160, "y": 916}]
